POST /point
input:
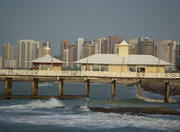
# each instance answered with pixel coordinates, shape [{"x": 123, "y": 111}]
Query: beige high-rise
[{"x": 7, "y": 53}]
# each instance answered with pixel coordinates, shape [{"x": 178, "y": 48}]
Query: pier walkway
[{"x": 87, "y": 77}]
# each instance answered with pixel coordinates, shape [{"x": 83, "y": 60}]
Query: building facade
[
  {"x": 143, "y": 45},
  {"x": 26, "y": 51},
  {"x": 168, "y": 50},
  {"x": 80, "y": 42},
  {"x": 7, "y": 50},
  {"x": 133, "y": 46},
  {"x": 68, "y": 53},
  {"x": 1, "y": 64},
  {"x": 97, "y": 46},
  {"x": 111, "y": 41},
  {"x": 10, "y": 63},
  {"x": 178, "y": 55},
  {"x": 88, "y": 49}
]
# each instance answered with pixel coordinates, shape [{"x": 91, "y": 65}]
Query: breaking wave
[
  {"x": 51, "y": 103},
  {"x": 93, "y": 120}
]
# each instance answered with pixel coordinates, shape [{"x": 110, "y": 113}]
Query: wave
[
  {"x": 84, "y": 108},
  {"x": 51, "y": 103},
  {"x": 93, "y": 120}
]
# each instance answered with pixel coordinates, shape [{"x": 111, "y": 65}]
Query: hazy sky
[{"x": 58, "y": 20}]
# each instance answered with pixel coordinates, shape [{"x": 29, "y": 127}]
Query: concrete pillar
[
  {"x": 35, "y": 87},
  {"x": 8, "y": 88},
  {"x": 86, "y": 88},
  {"x": 166, "y": 92},
  {"x": 113, "y": 89},
  {"x": 139, "y": 88},
  {"x": 60, "y": 87}
]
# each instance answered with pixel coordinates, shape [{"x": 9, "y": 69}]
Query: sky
[{"x": 57, "y": 20}]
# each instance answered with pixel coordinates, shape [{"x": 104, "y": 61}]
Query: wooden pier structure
[{"x": 87, "y": 77}]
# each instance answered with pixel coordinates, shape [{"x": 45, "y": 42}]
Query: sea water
[{"x": 31, "y": 115}]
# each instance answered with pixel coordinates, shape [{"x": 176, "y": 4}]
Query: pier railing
[{"x": 88, "y": 74}]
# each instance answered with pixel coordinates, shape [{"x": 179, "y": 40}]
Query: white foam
[
  {"x": 84, "y": 108},
  {"x": 93, "y": 120},
  {"x": 51, "y": 103}
]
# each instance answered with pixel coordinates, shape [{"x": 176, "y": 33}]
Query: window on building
[
  {"x": 95, "y": 68},
  {"x": 132, "y": 68},
  {"x": 141, "y": 69},
  {"x": 104, "y": 68}
]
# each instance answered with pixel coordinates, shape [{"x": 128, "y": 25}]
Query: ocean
[{"x": 55, "y": 115}]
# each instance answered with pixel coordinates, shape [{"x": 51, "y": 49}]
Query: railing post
[
  {"x": 86, "y": 88},
  {"x": 35, "y": 87},
  {"x": 166, "y": 92},
  {"x": 139, "y": 87},
  {"x": 113, "y": 89},
  {"x": 60, "y": 87},
  {"x": 8, "y": 88}
]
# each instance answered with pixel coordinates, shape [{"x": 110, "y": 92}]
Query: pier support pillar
[
  {"x": 166, "y": 92},
  {"x": 8, "y": 88},
  {"x": 139, "y": 88},
  {"x": 60, "y": 87},
  {"x": 35, "y": 87},
  {"x": 86, "y": 88},
  {"x": 113, "y": 89}
]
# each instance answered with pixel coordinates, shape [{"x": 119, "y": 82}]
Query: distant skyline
[{"x": 57, "y": 20}]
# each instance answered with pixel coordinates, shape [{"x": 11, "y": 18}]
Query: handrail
[{"x": 15, "y": 72}]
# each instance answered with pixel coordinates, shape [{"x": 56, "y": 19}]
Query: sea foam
[
  {"x": 51, "y": 103},
  {"x": 96, "y": 120}
]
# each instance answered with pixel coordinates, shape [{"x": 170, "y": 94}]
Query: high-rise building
[
  {"x": 80, "y": 42},
  {"x": 73, "y": 54},
  {"x": 10, "y": 63},
  {"x": 178, "y": 55},
  {"x": 97, "y": 46},
  {"x": 133, "y": 46},
  {"x": 145, "y": 46},
  {"x": 166, "y": 50},
  {"x": 64, "y": 45},
  {"x": 7, "y": 54},
  {"x": 103, "y": 46},
  {"x": 68, "y": 52},
  {"x": 1, "y": 65},
  {"x": 26, "y": 51},
  {"x": 88, "y": 48},
  {"x": 111, "y": 41}
]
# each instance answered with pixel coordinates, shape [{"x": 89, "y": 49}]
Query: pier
[{"x": 85, "y": 77}]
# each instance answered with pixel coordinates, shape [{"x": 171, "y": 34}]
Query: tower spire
[{"x": 48, "y": 50}]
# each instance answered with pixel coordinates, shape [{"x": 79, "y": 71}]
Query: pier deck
[{"x": 87, "y": 77}]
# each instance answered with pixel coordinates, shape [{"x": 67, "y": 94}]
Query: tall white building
[
  {"x": 80, "y": 42},
  {"x": 10, "y": 63},
  {"x": 26, "y": 51}
]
